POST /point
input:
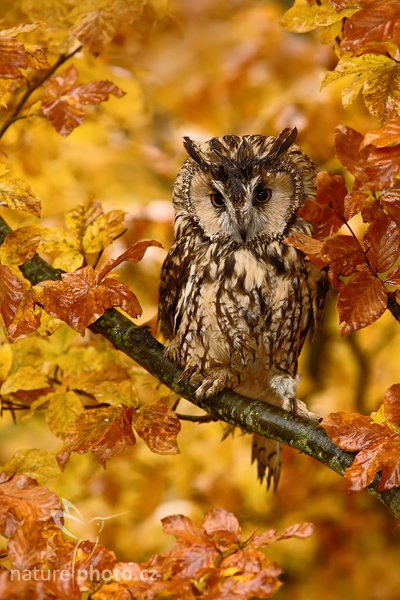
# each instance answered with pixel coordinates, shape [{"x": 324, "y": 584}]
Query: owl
[{"x": 235, "y": 301}]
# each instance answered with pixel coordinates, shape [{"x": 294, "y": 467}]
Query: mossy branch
[{"x": 253, "y": 416}]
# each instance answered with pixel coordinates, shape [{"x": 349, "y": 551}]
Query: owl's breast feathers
[{"x": 244, "y": 308}]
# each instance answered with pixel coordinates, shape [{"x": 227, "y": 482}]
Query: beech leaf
[
  {"x": 17, "y": 195},
  {"x": 361, "y": 301},
  {"x": 158, "y": 426},
  {"x": 382, "y": 241},
  {"x": 104, "y": 431},
  {"x": 17, "y": 307},
  {"x": 20, "y": 245}
]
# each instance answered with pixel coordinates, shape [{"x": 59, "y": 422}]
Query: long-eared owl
[{"x": 236, "y": 302}]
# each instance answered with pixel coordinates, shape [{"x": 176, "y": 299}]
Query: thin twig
[{"x": 32, "y": 87}]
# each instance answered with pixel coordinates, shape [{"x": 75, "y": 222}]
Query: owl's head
[{"x": 242, "y": 188}]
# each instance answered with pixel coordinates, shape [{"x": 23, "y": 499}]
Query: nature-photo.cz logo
[{"x": 68, "y": 521}]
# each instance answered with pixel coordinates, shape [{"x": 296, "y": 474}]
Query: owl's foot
[{"x": 215, "y": 382}]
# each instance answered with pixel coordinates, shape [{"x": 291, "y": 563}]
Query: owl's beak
[{"x": 243, "y": 231}]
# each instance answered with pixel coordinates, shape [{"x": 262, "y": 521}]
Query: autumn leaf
[
  {"x": 377, "y": 447},
  {"x": 17, "y": 195},
  {"x": 382, "y": 242},
  {"x": 375, "y": 75},
  {"x": 133, "y": 254},
  {"x": 343, "y": 254},
  {"x": 79, "y": 300},
  {"x": 103, "y": 431},
  {"x": 303, "y": 17},
  {"x": 391, "y": 404},
  {"x": 62, "y": 410},
  {"x": 158, "y": 426},
  {"x": 34, "y": 462},
  {"x": 361, "y": 301},
  {"x": 15, "y": 55},
  {"x": 64, "y": 99},
  {"x": 388, "y": 135},
  {"x": 23, "y": 504},
  {"x": 326, "y": 212},
  {"x": 373, "y": 168},
  {"x": 104, "y": 230},
  {"x": 377, "y": 21},
  {"x": 17, "y": 307},
  {"x": 20, "y": 245},
  {"x": 390, "y": 201},
  {"x": 25, "y": 378}
]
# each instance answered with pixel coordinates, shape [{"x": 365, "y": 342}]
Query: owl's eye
[
  {"x": 217, "y": 199},
  {"x": 262, "y": 195}
]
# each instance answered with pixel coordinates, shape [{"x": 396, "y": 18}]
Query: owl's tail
[{"x": 267, "y": 453}]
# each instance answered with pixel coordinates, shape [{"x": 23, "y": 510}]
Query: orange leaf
[
  {"x": 310, "y": 246},
  {"x": 184, "y": 529},
  {"x": 393, "y": 278},
  {"x": 373, "y": 168},
  {"x": 63, "y": 102},
  {"x": 377, "y": 445},
  {"x": 13, "y": 57},
  {"x": 361, "y": 301},
  {"x": 379, "y": 20},
  {"x": 391, "y": 404},
  {"x": 382, "y": 242},
  {"x": 158, "y": 426},
  {"x": 17, "y": 304},
  {"x": 326, "y": 212},
  {"x": 133, "y": 254},
  {"x": 79, "y": 300},
  {"x": 222, "y": 527},
  {"x": 391, "y": 203},
  {"x": 343, "y": 254},
  {"x": 388, "y": 135},
  {"x": 103, "y": 431}
]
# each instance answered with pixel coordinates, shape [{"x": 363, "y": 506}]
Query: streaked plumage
[{"x": 236, "y": 302}]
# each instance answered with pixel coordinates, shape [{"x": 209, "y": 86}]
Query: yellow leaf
[
  {"x": 115, "y": 393},
  {"x": 6, "y": 358},
  {"x": 20, "y": 245},
  {"x": 377, "y": 76},
  {"x": 48, "y": 324},
  {"x": 103, "y": 231},
  {"x": 62, "y": 411},
  {"x": 26, "y": 378},
  {"x": 35, "y": 462},
  {"x": 69, "y": 261},
  {"x": 58, "y": 239},
  {"x": 79, "y": 218},
  {"x": 16, "y": 194},
  {"x": 302, "y": 17}
]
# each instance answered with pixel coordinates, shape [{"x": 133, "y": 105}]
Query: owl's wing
[
  {"x": 319, "y": 286},
  {"x": 174, "y": 277}
]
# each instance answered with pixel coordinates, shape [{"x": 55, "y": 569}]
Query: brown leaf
[
  {"x": 20, "y": 245},
  {"x": 355, "y": 202},
  {"x": 79, "y": 300},
  {"x": 13, "y": 57},
  {"x": 379, "y": 20},
  {"x": 391, "y": 404},
  {"x": 17, "y": 307},
  {"x": 23, "y": 505},
  {"x": 184, "y": 530},
  {"x": 158, "y": 426},
  {"x": 361, "y": 301},
  {"x": 133, "y": 254},
  {"x": 377, "y": 445},
  {"x": 343, "y": 254},
  {"x": 388, "y": 135},
  {"x": 382, "y": 242},
  {"x": 103, "y": 431},
  {"x": 326, "y": 212},
  {"x": 310, "y": 246},
  {"x": 393, "y": 278},
  {"x": 390, "y": 201},
  {"x": 373, "y": 168},
  {"x": 64, "y": 100},
  {"x": 222, "y": 527}
]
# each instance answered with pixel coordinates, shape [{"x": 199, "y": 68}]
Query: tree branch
[{"x": 250, "y": 415}]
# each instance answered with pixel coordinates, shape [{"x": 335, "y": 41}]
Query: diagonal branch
[{"x": 250, "y": 415}]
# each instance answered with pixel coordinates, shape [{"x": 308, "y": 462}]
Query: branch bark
[{"x": 253, "y": 416}]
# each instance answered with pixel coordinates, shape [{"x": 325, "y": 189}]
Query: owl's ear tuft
[
  {"x": 194, "y": 151},
  {"x": 282, "y": 143}
]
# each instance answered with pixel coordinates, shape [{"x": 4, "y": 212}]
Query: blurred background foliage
[{"x": 203, "y": 69}]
